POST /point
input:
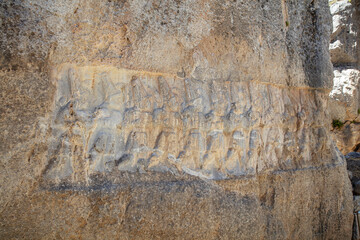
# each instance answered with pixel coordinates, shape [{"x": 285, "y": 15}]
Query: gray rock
[
  {"x": 352, "y": 155},
  {"x": 344, "y": 101},
  {"x": 344, "y": 38},
  {"x": 356, "y": 203}
]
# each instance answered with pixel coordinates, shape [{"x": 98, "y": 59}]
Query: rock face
[
  {"x": 108, "y": 119},
  {"x": 169, "y": 119},
  {"x": 344, "y": 104},
  {"x": 347, "y": 137},
  {"x": 344, "y": 101},
  {"x": 344, "y": 38}
]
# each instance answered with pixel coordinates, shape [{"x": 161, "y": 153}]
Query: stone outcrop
[
  {"x": 344, "y": 38},
  {"x": 169, "y": 119},
  {"x": 344, "y": 104},
  {"x": 347, "y": 137},
  {"x": 108, "y": 119},
  {"x": 344, "y": 101}
]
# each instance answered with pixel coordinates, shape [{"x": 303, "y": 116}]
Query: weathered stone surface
[
  {"x": 134, "y": 121},
  {"x": 203, "y": 40},
  {"x": 163, "y": 206},
  {"x": 345, "y": 55},
  {"x": 344, "y": 38},
  {"x": 357, "y": 203},
  {"x": 347, "y": 137},
  {"x": 169, "y": 119},
  {"x": 344, "y": 101},
  {"x": 354, "y": 155},
  {"x": 353, "y": 166}
]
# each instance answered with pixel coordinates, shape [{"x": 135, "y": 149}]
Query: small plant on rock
[{"x": 337, "y": 123}]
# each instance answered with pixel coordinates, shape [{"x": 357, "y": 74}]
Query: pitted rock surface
[
  {"x": 152, "y": 119},
  {"x": 344, "y": 38},
  {"x": 107, "y": 118},
  {"x": 345, "y": 55},
  {"x": 344, "y": 102}
]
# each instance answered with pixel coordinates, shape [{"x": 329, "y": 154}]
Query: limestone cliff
[
  {"x": 344, "y": 104},
  {"x": 169, "y": 119}
]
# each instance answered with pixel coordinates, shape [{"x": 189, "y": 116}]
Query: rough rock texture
[
  {"x": 169, "y": 119},
  {"x": 353, "y": 166},
  {"x": 107, "y": 118},
  {"x": 344, "y": 38},
  {"x": 344, "y": 101},
  {"x": 344, "y": 104},
  {"x": 347, "y": 137}
]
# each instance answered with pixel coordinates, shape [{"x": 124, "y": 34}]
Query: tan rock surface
[
  {"x": 168, "y": 119},
  {"x": 347, "y": 137}
]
